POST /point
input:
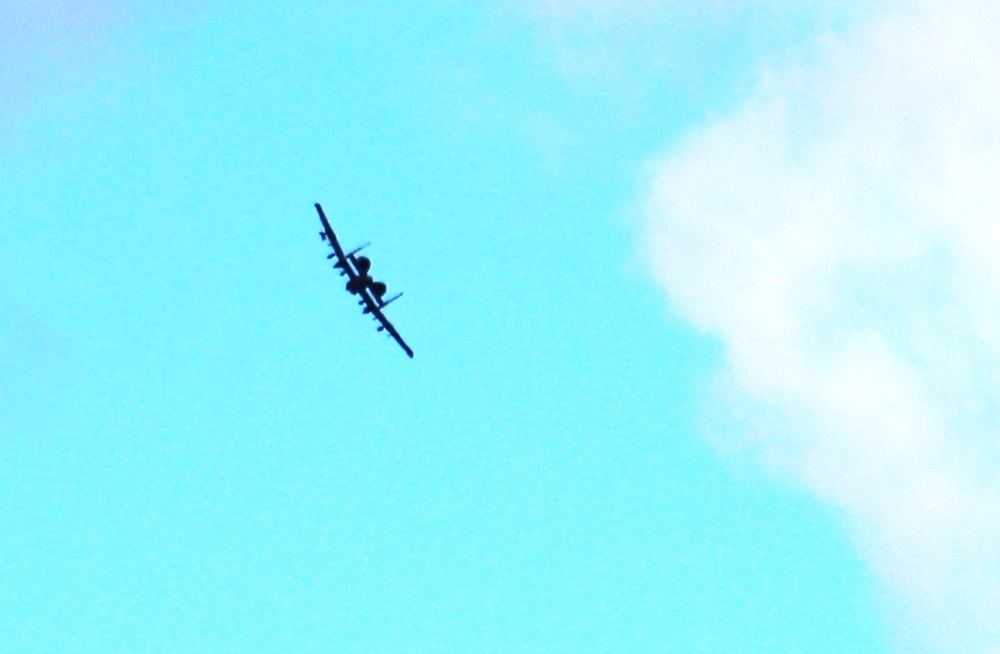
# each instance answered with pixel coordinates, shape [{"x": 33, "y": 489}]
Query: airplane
[{"x": 371, "y": 293}]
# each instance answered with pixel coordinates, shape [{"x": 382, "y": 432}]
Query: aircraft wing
[
  {"x": 331, "y": 238},
  {"x": 373, "y": 308}
]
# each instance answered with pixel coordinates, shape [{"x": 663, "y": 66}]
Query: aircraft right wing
[{"x": 372, "y": 307}]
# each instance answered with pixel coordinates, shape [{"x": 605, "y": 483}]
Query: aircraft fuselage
[{"x": 359, "y": 284}]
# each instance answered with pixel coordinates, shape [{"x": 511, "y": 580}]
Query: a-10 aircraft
[{"x": 371, "y": 293}]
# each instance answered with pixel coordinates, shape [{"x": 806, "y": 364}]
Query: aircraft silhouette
[{"x": 371, "y": 293}]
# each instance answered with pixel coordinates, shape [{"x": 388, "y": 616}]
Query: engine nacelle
[
  {"x": 379, "y": 289},
  {"x": 363, "y": 264}
]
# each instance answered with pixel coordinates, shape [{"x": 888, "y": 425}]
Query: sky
[{"x": 701, "y": 295}]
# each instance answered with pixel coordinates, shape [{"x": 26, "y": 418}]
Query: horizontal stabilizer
[
  {"x": 392, "y": 299},
  {"x": 358, "y": 249}
]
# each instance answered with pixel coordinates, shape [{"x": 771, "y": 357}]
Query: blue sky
[{"x": 206, "y": 448}]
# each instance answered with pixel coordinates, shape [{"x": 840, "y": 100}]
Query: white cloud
[{"x": 840, "y": 234}]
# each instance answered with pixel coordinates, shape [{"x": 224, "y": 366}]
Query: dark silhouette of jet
[{"x": 371, "y": 293}]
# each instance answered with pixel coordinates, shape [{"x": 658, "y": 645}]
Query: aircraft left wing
[{"x": 331, "y": 238}]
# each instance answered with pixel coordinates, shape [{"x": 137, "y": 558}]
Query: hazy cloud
[
  {"x": 47, "y": 44},
  {"x": 839, "y": 234}
]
